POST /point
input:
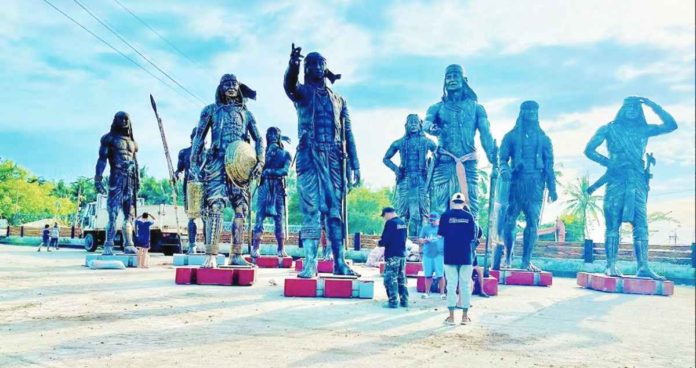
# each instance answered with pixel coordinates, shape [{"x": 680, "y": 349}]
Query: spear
[{"x": 172, "y": 176}]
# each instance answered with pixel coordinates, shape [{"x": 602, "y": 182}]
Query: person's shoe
[
  {"x": 425, "y": 296},
  {"x": 404, "y": 304},
  {"x": 38, "y": 250},
  {"x": 443, "y": 296},
  {"x": 390, "y": 306}
]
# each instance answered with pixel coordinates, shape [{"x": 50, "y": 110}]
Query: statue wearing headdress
[
  {"x": 627, "y": 177},
  {"x": 226, "y": 169},
  {"x": 412, "y": 197},
  {"x": 455, "y": 121},
  {"x": 327, "y": 160},
  {"x": 118, "y": 148},
  {"x": 526, "y": 162},
  {"x": 271, "y": 197}
]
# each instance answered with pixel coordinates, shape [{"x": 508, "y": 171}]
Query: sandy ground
[{"x": 56, "y": 313}]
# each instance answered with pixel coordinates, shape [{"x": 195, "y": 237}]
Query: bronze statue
[
  {"x": 118, "y": 148},
  {"x": 412, "y": 197},
  {"x": 226, "y": 169},
  {"x": 628, "y": 177}
]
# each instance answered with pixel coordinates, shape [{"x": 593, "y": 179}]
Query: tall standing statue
[
  {"x": 118, "y": 148},
  {"x": 327, "y": 160},
  {"x": 183, "y": 166},
  {"x": 271, "y": 197},
  {"x": 455, "y": 120},
  {"x": 627, "y": 177},
  {"x": 228, "y": 166},
  {"x": 526, "y": 163},
  {"x": 412, "y": 197}
]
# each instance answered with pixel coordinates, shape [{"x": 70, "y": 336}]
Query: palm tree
[{"x": 581, "y": 204}]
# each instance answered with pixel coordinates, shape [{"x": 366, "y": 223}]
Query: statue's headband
[
  {"x": 529, "y": 105},
  {"x": 455, "y": 68},
  {"x": 246, "y": 91}
]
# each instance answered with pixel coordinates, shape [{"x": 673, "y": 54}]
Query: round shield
[{"x": 240, "y": 159}]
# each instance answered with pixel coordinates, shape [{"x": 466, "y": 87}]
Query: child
[
  {"x": 45, "y": 237},
  {"x": 142, "y": 238},
  {"x": 55, "y": 236}
]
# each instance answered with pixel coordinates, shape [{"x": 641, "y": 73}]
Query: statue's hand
[
  {"x": 195, "y": 173},
  {"x": 648, "y": 102},
  {"x": 505, "y": 173},
  {"x": 355, "y": 182},
  {"x": 553, "y": 196},
  {"x": 295, "y": 55},
  {"x": 99, "y": 185},
  {"x": 399, "y": 172},
  {"x": 256, "y": 171}
]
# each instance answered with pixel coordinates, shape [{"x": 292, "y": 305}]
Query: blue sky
[{"x": 60, "y": 86}]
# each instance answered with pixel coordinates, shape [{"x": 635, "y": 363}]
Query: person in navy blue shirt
[
  {"x": 459, "y": 231},
  {"x": 142, "y": 238},
  {"x": 394, "y": 242},
  {"x": 45, "y": 238}
]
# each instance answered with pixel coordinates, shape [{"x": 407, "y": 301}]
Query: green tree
[
  {"x": 364, "y": 208},
  {"x": 581, "y": 204}
]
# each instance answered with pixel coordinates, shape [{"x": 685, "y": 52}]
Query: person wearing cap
[
  {"x": 433, "y": 254},
  {"x": 394, "y": 242},
  {"x": 458, "y": 230},
  {"x": 142, "y": 238}
]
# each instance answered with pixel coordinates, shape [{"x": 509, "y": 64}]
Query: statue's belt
[{"x": 461, "y": 171}]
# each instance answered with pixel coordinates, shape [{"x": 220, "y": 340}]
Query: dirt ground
[{"x": 56, "y": 313}]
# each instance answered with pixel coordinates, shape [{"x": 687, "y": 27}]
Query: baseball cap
[
  {"x": 458, "y": 198},
  {"x": 386, "y": 210}
]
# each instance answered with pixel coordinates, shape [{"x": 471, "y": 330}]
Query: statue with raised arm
[
  {"x": 627, "y": 177},
  {"x": 412, "y": 197},
  {"x": 526, "y": 162},
  {"x": 227, "y": 168},
  {"x": 271, "y": 197},
  {"x": 183, "y": 167},
  {"x": 118, "y": 148},
  {"x": 454, "y": 121},
  {"x": 327, "y": 160}
]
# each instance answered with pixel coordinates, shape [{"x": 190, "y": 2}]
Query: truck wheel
[{"x": 90, "y": 243}]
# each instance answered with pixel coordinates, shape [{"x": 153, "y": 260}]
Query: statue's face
[
  {"x": 272, "y": 136},
  {"x": 454, "y": 81},
  {"x": 413, "y": 126},
  {"x": 530, "y": 115},
  {"x": 631, "y": 111},
  {"x": 231, "y": 88},
  {"x": 315, "y": 69},
  {"x": 122, "y": 120}
]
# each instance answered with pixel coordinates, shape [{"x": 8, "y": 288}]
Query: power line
[
  {"x": 155, "y": 32},
  {"x": 136, "y": 50},
  {"x": 109, "y": 45}
]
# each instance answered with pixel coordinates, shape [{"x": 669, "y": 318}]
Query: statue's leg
[
  {"x": 513, "y": 211},
  {"x": 441, "y": 185},
  {"x": 335, "y": 235},
  {"x": 279, "y": 222},
  {"x": 212, "y": 219},
  {"x": 612, "y": 219},
  {"x": 192, "y": 230},
  {"x": 640, "y": 240},
  {"x": 128, "y": 248},
  {"x": 256, "y": 233},
  {"x": 308, "y": 189},
  {"x": 236, "y": 258},
  {"x": 472, "y": 178},
  {"x": 113, "y": 204},
  {"x": 532, "y": 211}
]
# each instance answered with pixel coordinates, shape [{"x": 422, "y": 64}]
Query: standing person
[
  {"x": 458, "y": 229},
  {"x": 433, "y": 254},
  {"x": 142, "y": 238},
  {"x": 45, "y": 238},
  {"x": 55, "y": 236},
  {"x": 394, "y": 242}
]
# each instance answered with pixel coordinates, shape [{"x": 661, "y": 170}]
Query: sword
[
  {"x": 491, "y": 202},
  {"x": 172, "y": 176}
]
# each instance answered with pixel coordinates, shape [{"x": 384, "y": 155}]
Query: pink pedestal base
[
  {"x": 513, "y": 276},
  {"x": 624, "y": 285}
]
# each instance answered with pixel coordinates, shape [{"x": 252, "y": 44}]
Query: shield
[
  {"x": 194, "y": 199},
  {"x": 240, "y": 159}
]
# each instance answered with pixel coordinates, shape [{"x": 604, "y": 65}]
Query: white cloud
[{"x": 449, "y": 27}]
